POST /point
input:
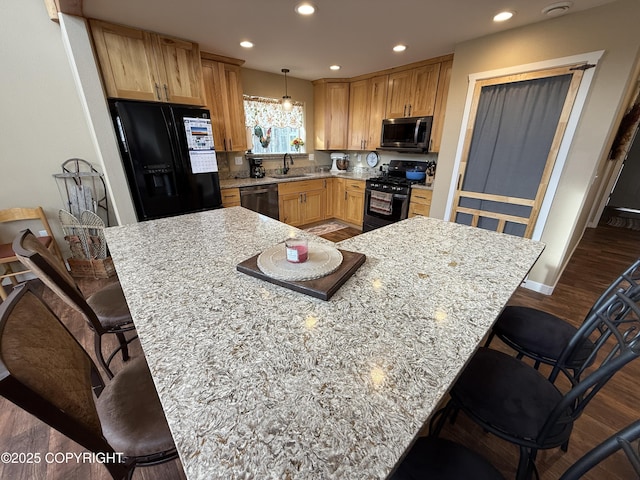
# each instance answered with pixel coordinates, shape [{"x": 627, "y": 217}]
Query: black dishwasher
[{"x": 261, "y": 198}]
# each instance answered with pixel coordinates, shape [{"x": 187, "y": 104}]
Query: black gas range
[{"x": 387, "y": 196}]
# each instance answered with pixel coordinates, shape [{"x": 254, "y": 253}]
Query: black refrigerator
[{"x": 169, "y": 157}]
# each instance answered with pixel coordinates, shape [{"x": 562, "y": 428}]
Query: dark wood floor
[{"x": 602, "y": 254}]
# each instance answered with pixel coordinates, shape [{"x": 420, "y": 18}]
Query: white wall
[
  {"x": 41, "y": 120},
  {"x": 612, "y": 28}
]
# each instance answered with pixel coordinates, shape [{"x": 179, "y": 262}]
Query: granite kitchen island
[{"x": 261, "y": 382}]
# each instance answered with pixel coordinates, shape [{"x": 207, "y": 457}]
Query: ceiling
[{"x": 356, "y": 34}]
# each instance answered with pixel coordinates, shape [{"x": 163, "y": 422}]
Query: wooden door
[
  {"x": 444, "y": 78},
  {"x": 358, "y": 114},
  {"x": 492, "y": 206},
  {"x": 181, "y": 70},
  {"x": 234, "y": 108},
  {"x": 336, "y": 115},
  {"x": 423, "y": 90},
  {"x": 223, "y": 93},
  {"x": 213, "y": 102},
  {"x": 339, "y": 198},
  {"x": 290, "y": 208},
  {"x": 354, "y": 207},
  {"x": 127, "y": 61},
  {"x": 398, "y": 93},
  {"x": 377, "y": 110},
  {"x": 313, "y": 202}
]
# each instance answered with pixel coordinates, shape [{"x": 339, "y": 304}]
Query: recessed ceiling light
[
  {"x": 305, "y": 8},
  {"x": 246, "y": 44},
  {"x": 399, "y": 48},
  {"x": 556, "y": 9},
  {"x": 503, "y": 16},
  {"x": 335, "y": 67}
]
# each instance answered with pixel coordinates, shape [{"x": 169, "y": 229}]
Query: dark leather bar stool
[
  {"x": 105, "y": 311},
  {"x": 45, "y": 371}
]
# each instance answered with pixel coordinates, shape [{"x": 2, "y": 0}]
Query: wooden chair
[
  {"x": 8, "y": 258},
  {"x": 46, "y": 372}
]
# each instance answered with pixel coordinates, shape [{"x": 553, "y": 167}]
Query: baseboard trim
[{"x": 538, "y": 287}]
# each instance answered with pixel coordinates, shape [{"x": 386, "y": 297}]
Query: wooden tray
[{"x": 323, "y": 287}]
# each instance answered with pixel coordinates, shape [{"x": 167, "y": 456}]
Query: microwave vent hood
[{"x": 406, "y": 135}]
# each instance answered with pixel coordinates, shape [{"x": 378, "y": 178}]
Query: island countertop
[{"x": 258, "y": 381}]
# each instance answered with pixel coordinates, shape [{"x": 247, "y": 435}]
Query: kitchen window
[{"x": 269, "y": 128}]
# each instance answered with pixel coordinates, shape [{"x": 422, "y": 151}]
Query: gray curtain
[{"x": 512, "y": 136}]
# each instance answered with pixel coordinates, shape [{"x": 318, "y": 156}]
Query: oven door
[{"x": 378, "y": 212}]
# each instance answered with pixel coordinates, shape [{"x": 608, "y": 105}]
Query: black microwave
[{"x": 407, "y": 134}]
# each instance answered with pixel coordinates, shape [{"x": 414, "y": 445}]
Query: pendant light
[{"x": 287, "y": 105}]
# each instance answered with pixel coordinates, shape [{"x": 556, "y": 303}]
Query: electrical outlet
[
  {"x": 42, "y": 233},
  {"x": 312, "y": 157},
  {"x": 238, "y": 160}
]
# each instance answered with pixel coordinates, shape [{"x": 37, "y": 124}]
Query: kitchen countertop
[
  {"x": 258, "y": 381},
  {"x": 247, "y": 182}
]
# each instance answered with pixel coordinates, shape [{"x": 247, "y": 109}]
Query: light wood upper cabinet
[
  {"x": 412, "y": 93},
  {"x": 331, "y": 106},
  {"x": 441, "y": 105},
  {"x": 223, "y": 94},
  {"x": 180, "y": 71},
  {"x": 367, "y": 104},
  {"x": 127, "y": 60},
  {"x": 142, "y": 65}
]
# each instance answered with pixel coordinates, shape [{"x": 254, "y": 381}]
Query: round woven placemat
[{"x": 322, "y": 260}]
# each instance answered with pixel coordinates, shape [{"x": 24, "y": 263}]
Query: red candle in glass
[{"x": 297, "y": 250}]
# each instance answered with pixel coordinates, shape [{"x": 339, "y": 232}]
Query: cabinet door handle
[
  {"x": 345, "y": 196},
  {"x": 230, "y": 145},
  {"x": 224, "y": 144},
  {"x": 166, "y": 92},
  {"x": 158, "y": 91}
]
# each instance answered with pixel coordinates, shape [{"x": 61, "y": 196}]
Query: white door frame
[{"x": 590, "y": 58}]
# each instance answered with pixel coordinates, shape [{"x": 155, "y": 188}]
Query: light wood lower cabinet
[
  {"x": 353, "y": 211},
  {"x": 335, "y": 194},
  {"x": 420, "y": 203},
  {"x": 310, "y": 201},
  {"x": 230, "y": 197},
  {"x": 302, "y": 202}
]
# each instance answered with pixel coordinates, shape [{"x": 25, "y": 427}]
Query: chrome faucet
[{"x": 285, "y": 168}]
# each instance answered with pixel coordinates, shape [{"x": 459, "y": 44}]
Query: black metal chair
[
  {"x": 619, "y": 441},
  {"x": 542, "y": 336},
  {"x": 436, "y": 458},
  {"x": 514, "y": 401},
  {"x": 432, "y": 458},
  {"x": 105, "y": 311},
  {"x": 45, "y": 371}
]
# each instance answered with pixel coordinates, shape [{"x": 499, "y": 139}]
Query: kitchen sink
[{"x": 292, "y": 176}]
